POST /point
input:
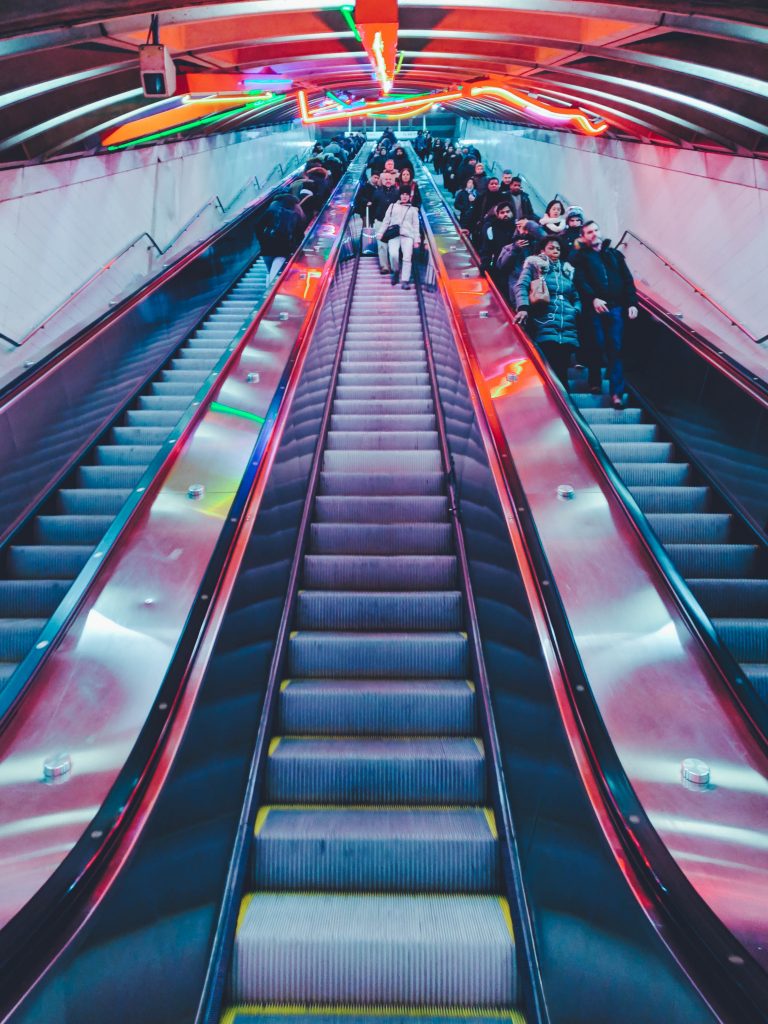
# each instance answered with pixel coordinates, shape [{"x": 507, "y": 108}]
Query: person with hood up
[
  {"x": 552, "y": 324},
  {"x": 405, "y": 218},
  {"x": 280, "y": 231},
  {"x": 481, "y": 179},
  {"x": 509, "y": 263},
  {"x": 465, "y": 170},
  {"x": 607, "y": 291},
  {"x": 574, "y": 220},
  {"x": 401, "y": 159}
]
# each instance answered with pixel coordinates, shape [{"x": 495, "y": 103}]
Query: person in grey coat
[{"x": 553, "y": 324}]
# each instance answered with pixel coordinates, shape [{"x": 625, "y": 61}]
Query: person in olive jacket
[
  {"x": 607, "y": 292},
  {"x": 552, "y": 324}
]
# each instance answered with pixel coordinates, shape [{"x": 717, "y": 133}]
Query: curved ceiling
[{"x": 680, "y": 73}]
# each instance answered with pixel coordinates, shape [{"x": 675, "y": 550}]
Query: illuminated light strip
[
  {"x": 188, "y": 125},
  {"x": 400, "y": 59},
  {"x": 69, "y": 115},
  {"x": 539, "y": 110},
  {"x": 347, "y": 13},
  {"x": 186, "y": 115},
  {"x": 423, "y": 109},
  {"x": 375, "y": 109},
  {"x": 385, "y": 81},
  {"x": 217, "y": 407}
]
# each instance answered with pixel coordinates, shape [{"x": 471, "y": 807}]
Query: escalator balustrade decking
[
  {"x": 40, "y": 568},
  {"x": 726, "y": 572},
  {"x": 375, "y": 886}
]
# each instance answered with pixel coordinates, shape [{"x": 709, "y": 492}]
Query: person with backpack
[{"x": 280, "y": 231}]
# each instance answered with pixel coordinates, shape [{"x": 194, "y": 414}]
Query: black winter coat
[{"x": 603, "y": 274}]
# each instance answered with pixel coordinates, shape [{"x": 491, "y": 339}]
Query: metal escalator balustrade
[
  {"x": 375, "y": 880},
  {"x": 46, "y": 556},
  {"x": 722, "y": 561}
]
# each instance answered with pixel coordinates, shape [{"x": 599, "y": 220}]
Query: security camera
[{"x": 158, "y": 72}]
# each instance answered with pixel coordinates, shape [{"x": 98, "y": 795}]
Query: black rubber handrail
[
  {"x": 210, "y": 1006},
  {"x": 535, "y": 1004},
  {"x": 754, "y": 710},
  {"x": 27, "y": 940},
  {"x": 733, "y": 982}
]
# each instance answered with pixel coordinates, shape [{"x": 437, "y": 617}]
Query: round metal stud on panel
[
  {"x": 693, "y": 769},
  {"x": 253, "y": 378},
  {"x": 566, "y": 492},
  {"x": 56, "y": 766},
  {"x": 512, "y": 377},
  {"x": 283, "y": 316},
  {"x": 195, "y": 492}
]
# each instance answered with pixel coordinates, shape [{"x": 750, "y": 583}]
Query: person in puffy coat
[{"x": 553, "y": 324}]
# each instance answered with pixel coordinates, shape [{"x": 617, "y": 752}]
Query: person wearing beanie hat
[{"x": 574, "y": 219}]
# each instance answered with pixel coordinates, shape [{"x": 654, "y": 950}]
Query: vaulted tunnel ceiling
[{"x": 681, "y": 73}]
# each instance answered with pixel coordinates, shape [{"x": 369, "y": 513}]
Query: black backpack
[{"x": 278, "y": 226}]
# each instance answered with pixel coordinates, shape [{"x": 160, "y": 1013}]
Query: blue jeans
[{"x": 609, "y": 333}]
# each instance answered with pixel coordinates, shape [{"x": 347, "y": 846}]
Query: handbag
[
  {"x": 392, "y": 232},
  {"x": 538, "y": 292}
]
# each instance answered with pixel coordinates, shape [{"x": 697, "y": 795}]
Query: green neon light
[
  {"x": 197, "y": 123},
  {"x": 218, "y": 407},
  {"x": 347, "y": 14},
  {"x": 402, "y": 96},
  {"x": 399, "y": 61}
]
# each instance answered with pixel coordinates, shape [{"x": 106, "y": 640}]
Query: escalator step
[
  {"x": 102, "y": 477},
  {"x": 47, "y": 563},
  {"x": 31, "y": 598},
  {"x": 377, "y": 539},
  {"x": 443, "y": 707},
  {"x": 187, "y": 378},
  {"x": 413, "y": 508},
  {"x": 90, "y": 501},
  {"x": 383, "y": 407},
  {"x": 366, "y": 484},
  {"x": 167, "y": 418},
  {"x": 684, "y": 528},
  {"x": 326, "y": 949},
  {"x": 672, "y": 499},
  {"x": 634, "y": 433},
  {"x": 404, "y": 360},
  {"x": 612, "y": 416},
  {"x": 362, "y": 424},
  {"x": 653, "y": 474},
  {"x": 732, "y": 598},
  {"x": 731, "y": 561},
  {"x": 164, "y": 389},
  {"x": 153, "y": 436},
  {"x": 71, "y": 529},
  {"x": 194, "y": 361},
  {"x": 747, "y": 639},
  {"x": 124, "y": 455},
  {"x": 758, "y": 676},
  {"x": 374, "y": 850},
  {"x": 380, "y": 572},
  {"x": 339, "y": 655},
  {"x": 247, "y": 1014},
  {"x": 383, "y": 462},
  {"x": 18, "y": 636},
  {"x": 402, "y": 440},
  {"x": 409, "y": 610},
  {"x": 374, "y": 770},
  {"x": 382, "y": 392},
  {"x": 650, "y": 451},
  {"x": 394, "y": 378}
]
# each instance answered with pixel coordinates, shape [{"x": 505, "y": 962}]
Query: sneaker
[
  {"x": 395, "y": 277},
  {"x": 617, "y": 402},
  {"x": 406, "y": 286},
  {"x": 383, "y": 272}
]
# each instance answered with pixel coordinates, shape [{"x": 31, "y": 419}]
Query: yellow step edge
[
  {"x": 274, "y": 743},
  {"x": 490, "y": 817},
  {"x": 244, "y": 904},
  {"x": 285, "y": 684},
  {"x": 288, "y": 1010},
  {"x": 507, "y": 916},
  {"x": 379, "y": 807},
  {"x": 261, "y": 818}
]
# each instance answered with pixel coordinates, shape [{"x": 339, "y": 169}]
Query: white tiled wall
[
  {"x": 705, "y": 212},
  {"x": 60, "y": 222}
]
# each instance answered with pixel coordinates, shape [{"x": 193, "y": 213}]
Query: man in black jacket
[
  {"x": 496, "y": 231},
  {"x": 386, "y": 194},
  {"x": 607, "y": 290},
  {"x": 365, "y": 198},
  {"x": 522, "y": 208}
]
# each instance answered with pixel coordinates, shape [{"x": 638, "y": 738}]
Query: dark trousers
[
  {"x": 559, "y": 358},
  {"x": 609, "y": 335}
]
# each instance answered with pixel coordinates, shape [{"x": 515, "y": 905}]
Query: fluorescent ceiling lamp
[{"x": 30, "y": 91}]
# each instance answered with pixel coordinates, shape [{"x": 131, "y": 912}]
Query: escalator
[
  {"x": 375, "y": 865},
  {"x": 45, "y": 554},
  {"x": 722, "y": 559}
]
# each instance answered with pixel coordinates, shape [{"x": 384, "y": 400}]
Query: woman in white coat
[{"x": 405, "y": 218}]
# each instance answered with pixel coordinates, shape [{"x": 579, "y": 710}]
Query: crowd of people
[
  {"x": 570, "y": 288},
  {"x": 287, "y": 217}
]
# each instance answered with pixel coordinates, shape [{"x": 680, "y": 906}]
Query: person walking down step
[
  {"x": 548, "y": 303},
  {"x": 280, "y": 232},
  {"x": 607, "y": 290},
  {"x": 383, "y": 197},
  {"x": 400, "y": 231}
]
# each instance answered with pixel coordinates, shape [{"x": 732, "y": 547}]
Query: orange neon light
[
  {"x": 537, "y": 108},
  {"x": 174, "y": 118}
]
